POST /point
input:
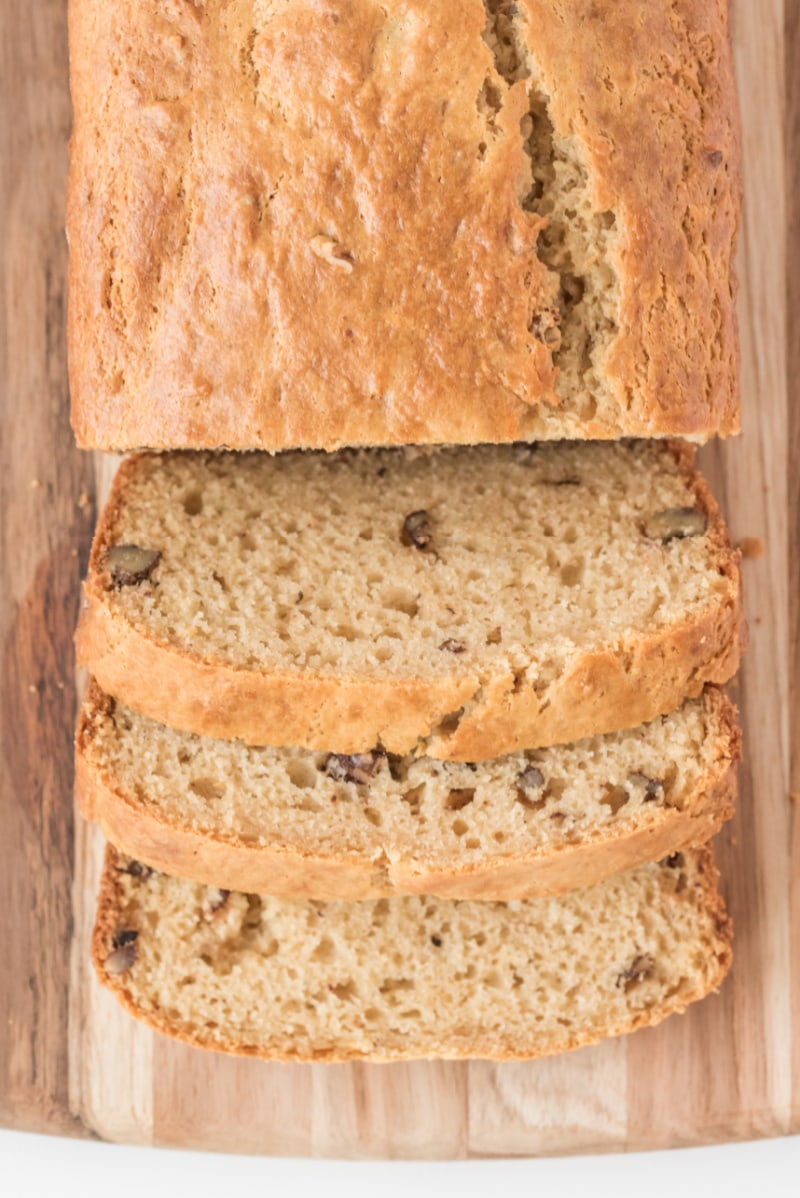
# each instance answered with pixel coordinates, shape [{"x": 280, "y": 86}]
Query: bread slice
[
  {"x": 395, "y": 979},
  {"x": 465, "y": 602},
  {"x": 440, "y": 221},
  {"x": 298, "y": 824}
]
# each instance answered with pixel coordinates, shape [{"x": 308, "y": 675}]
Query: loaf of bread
[
  {"x": 400, "y": 978},
  {"x": 320, "y": 223},
  {"x": 464, "y": 603},
  {"x": 298, "y": 824}
]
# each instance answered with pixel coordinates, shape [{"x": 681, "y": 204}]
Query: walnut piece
[
  {"x": 640, "y": 968},
  {"x": 136, "y": 869},
  {"x": 417, "y": 531},
  {"x": 675, "y": 523},
  {"x": 358, "y": 767},
  {"x": 531, "y": 779},
  {"x": 653, "y": 787},
  {"x": 124, "y": 952},
  {"x": 130, "y": 564},
  {"x": 531, "y": 793}
]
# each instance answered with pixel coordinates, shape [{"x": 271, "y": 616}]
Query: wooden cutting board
[{"x": 70, "y": 1061}]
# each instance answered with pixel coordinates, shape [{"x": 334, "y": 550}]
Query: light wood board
[{"x": 70, "y": 1061}]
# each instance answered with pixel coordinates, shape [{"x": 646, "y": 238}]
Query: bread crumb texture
[
  {"x": 410, "y": 977},
  {"x": 333, "y": 826},
  {"x": 465, "y": 597},
  {"x": 315, "y": 223}
]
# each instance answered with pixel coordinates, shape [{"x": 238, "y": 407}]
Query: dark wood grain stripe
[{"x": 47, "y": 515}]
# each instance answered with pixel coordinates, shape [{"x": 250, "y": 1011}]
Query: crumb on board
[{"x": 751, "y": 547}]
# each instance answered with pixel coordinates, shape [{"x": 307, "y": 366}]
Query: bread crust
[
  {"x": 487, "y": 1045},
  {"x": 288, "y": 871},
  {"x": 421, "y": 329},
  {"x": 461, "y": 717}
]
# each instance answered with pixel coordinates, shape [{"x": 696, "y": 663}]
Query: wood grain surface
[
  {"x": 46, "y": 515},
  {"x": 71, "y": 1062}
]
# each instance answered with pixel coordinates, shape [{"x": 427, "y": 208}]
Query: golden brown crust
[
  {"x": 288, "y": 872},
  {"x": 491, "y": 1048},
  {"x": 281, "y": 870},
  {"x": 604, "y": 692},
  {"x": 460, "y": 717},
  {"x": 420, "y": 305}
]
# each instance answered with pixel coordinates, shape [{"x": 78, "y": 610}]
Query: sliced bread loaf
[
  {"x": 401, "y": 978},
  {"x": 463, "y": 602},
  {"x": 298, "y": 824}
]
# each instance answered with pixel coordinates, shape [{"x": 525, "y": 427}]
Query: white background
[{"x": 34, "y": 1165}]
